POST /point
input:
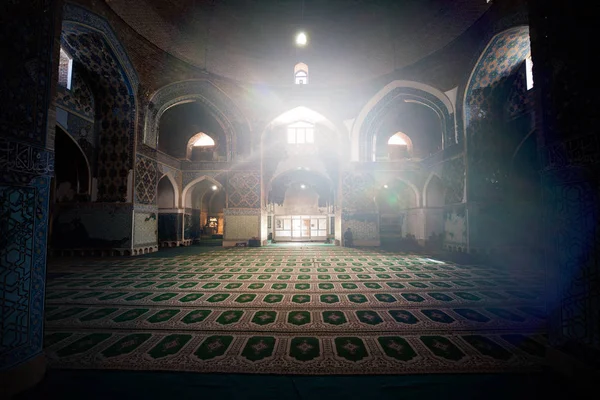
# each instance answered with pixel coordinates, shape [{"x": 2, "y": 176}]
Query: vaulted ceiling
[{"x": 253, "y": 40}]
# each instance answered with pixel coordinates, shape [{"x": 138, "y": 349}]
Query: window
[
  {"x": 65, "y": 69},
  {"x": 399, "y": 147},
  {"x": 203, "y": 140},
  {"x": 301, "y": 133},
  {"x": 301, "y": 74},
  {"x": 397, "y": 140},
  {"x": 529, "y": 72},
  {"x": 301, "y": 78}
]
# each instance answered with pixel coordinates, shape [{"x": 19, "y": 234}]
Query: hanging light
[{"x": 301, "y": 39}]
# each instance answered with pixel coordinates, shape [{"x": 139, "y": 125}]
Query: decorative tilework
[
  {"x": 242, "y": 211},
  {"x": 358, "y": 191},
  {"x": 78, "y": 99},
  {"x": 83, "y": 132},
  {"x": 362, "y": 229},
  {"x": 114, "y": 97},
  {"x": 19, "y": 162},
  {"x": 519, "y": 98},
  {"x": 145, "y": 228},
  {"x": 23, "y": 272},
  {"x": 505, "y": 52},
  {"x": 79, "y": 15},
  {"x": 241, "y": 227},
  {"x": 243, "y": 189},
  {"x": 453, "y": 177},
  {"x": 145, "y": 180}
]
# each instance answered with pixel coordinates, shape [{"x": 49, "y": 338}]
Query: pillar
[
  {"x": 567, "y": 120},
  {"x": 29, "y": 34}
]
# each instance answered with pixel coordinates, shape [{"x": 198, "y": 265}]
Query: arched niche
[
  {"x": 201, "y": 147},
  {"x": 396, "y": 196},
  {"x": 225, "y": 110},
  {"x": 71, "y": 169},
  {"x": 367, "y": 124},
  {"x": 394, "y": 147},
  {"x": 166, "y": 194},
  {"x": 185, "y": 123},
  {"x": 434, "y": 192}
]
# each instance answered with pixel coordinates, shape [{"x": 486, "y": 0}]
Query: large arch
[
  {"x": 85, "y": 19},
  {"x": 224, "y": 109},
  {"x": 89, "y": 37},
  {"x": 410, "y": 91},
  {"x": 191, "y": 184},
  {"x": 504, "y": 52}
]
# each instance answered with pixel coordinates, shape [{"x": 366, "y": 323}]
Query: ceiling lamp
[
  {"x": 301, "y": 39},
  {"x": 214, "y": 187}
]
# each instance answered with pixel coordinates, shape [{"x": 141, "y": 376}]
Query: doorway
[{"x": 300, "y": 228}]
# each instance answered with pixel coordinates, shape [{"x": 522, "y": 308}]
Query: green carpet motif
[{"x": 293, "y": 310}]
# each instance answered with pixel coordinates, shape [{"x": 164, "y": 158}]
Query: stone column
[
  {"x": 564, "y": 79},
  {"x": 29, "y": 37}
]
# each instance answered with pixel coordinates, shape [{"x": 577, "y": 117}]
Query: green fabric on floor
[{"x": 293, "y": 309}]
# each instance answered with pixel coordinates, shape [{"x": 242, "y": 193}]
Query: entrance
[{"x": 300, "y": 228}]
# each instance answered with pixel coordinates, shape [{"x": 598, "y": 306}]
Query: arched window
[
  {"x": 301, "y": 74},
  {"x": 301, "y": 133},
  {"x": 203, "y": 140},
  {"x": 399, "y": 146},
  {"x": 65, "y": 69},
  {"x": 201, "y": 147}
]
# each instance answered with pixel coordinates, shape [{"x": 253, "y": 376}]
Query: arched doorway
[
  {"x": 397, "y": 201},
  {"x": 301, "y": 207},
  {"x": 204, "y": 201},
  {"x": 71, "y": 184},
  {"x": 301, "y": 151}
]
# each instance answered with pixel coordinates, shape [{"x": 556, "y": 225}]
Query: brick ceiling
[{"x": 253, "y": 40}]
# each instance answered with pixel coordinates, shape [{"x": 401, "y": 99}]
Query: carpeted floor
[{"x": 293, "y": 310}]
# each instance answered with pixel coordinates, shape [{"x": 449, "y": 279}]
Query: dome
[{"x": 254, "y": 40}]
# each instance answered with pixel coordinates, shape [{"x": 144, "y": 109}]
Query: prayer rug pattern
[{"x": 293, "y": 310}]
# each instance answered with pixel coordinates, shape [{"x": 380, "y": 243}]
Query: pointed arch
[
  {"x": 224, "y": 109},
  {"x": 87, "y": 20},
  {"x": 190, "y": 186},
  {"x": 433, "y": 179},
  {"x": 82, "y": 153},
  {"x": 363, "y": 127},
  {"x": 409, "y": 184},
  {"x": 502, "y": 54},
  {"x": 175, "y": 186}
]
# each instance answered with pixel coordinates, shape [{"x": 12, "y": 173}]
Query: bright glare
[
  {"x": 204, "y": 141},
  {"x": 214, "y": 187},
  {"x": 385, "y": 186},
  {"x": 301, "y": 39},
  {"x": 397, "y": 139},
  {"x": 303, "y": 186},
  {"x": 529, "y": 73}
]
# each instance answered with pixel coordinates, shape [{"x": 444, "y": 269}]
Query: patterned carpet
[{"x": 293, "y": 310}]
